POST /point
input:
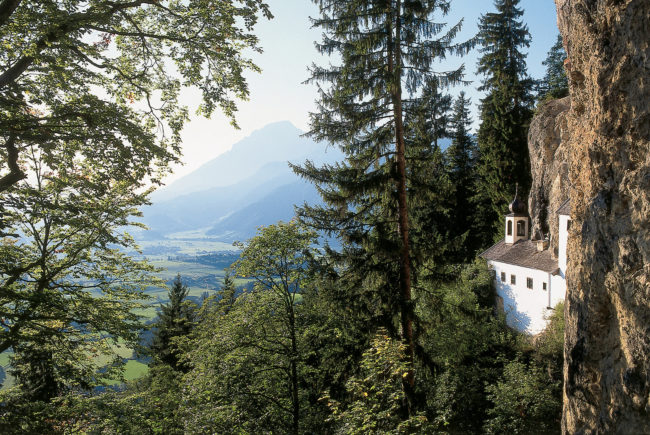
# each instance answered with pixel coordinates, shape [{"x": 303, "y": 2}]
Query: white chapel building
[{"x": 529, "y": 279}]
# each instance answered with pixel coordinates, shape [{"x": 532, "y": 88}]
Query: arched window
[
  {"x": 510, "y": 228},
  {"x": 521, "y": 228}
]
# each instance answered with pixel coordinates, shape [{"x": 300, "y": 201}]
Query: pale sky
[{"x": 277, "y": 94}]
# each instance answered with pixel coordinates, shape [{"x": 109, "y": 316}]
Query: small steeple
[
  {"x": 517, "y": 220},
  {"x": 517, "y": 206}
]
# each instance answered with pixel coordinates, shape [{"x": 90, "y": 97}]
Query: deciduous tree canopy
[
  {"x": 89, "y": 116},
  {"x": 99, "y": 80}
]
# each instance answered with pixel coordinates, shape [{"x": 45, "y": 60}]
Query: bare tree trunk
[
  {"x": 403, "y": 220},
  {"x": 15, "y": 173}
]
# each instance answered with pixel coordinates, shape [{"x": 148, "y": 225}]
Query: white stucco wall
[
  {"x": 558, "y": 289},
  {"x": 526, "y": 309}
]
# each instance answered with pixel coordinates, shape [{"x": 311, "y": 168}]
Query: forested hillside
[{"x": 366, "y": 308}]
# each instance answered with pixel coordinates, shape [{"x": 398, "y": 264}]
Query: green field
[
  {"x": 4, "y": 358},
  {"x": 150, "y": 312},
  {"x": 185, "y": 269},
  {"x": 132, "y": 370},
  {"x": 161, "y": 249},
  {"x": 199, "y": 278},
  {"x": 4, "y": 363}
]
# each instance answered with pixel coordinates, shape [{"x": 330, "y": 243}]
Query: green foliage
[
  {"x": 463, "y": 347},
  {"x": 548, "y": 355},
  {"x": 461, "y": 160},
  {"x": 147, "y": 406},
  {"x": 20, "y": 416},
  {"x": 247, "y": 356},
  {"x": 473, "y": 360},
  {"x": 506, "y": 111},
  {"x": 44, "y": 368},
  {"x": 175, "y": 319},
  {"x": 228, "y": 292},
  {"x": 69, "y": 293},
  {"x": 376, "y": 398},
  {"x": 310, "y": 345},
  {"x": 550, "y": 343},
  {"x": 90, "y": 117},
  {"x": 432, "y": 229},
  {"x": 35, "y": 372},
  {"x": 366, "y": 113},
  {"x": 524, "y": 401},
  {"x": 99, "y": 81},
  {"x": 239, "y": 369},
  {"x": 554, "y": 84},
  {"x": 383, "y": 107}
]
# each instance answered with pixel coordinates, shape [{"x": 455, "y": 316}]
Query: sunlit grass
[{"x": 132, "y": 370}]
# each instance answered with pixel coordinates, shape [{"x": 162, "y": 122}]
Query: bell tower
[{"x": 517, "y": 220}]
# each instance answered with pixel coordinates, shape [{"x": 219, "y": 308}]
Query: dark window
[
  {"x": 513, "y": 279},
  {"x": 521, "y": 228},
  {"x": 510, "y": 228},
  {"x": 529, "y": 283},
  {"x": 543, "y": 286},
  {"x": 503, "y": 277}
]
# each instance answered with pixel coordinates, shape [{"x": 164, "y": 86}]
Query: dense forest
[{"x": 393, "y": 329}]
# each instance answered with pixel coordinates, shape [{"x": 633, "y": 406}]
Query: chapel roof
[{"x": 522, "y": 253}]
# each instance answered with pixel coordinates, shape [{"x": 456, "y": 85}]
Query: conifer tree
[
  {"x": 429, "y": 186},
  {"x": 174, "y": 320},
  {"x": 387, "y": 50},
  {"x": 43, "y": 371},
  {"x": 461, "y": 161},
  {"x": 227, "y": 293},
  {"x": 434, "y": 108},
  {"x": 505, "y": 114},
  {"x": 34, "y": 369},
  {"x": 554, "y": 84}
]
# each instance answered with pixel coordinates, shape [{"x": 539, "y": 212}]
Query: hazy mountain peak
[{"x": 276, "y": 142}]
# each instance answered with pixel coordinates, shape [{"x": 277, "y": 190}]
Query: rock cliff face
[
  {"x": 607, "y": 341},
  {"x": 547, "y": 145}
]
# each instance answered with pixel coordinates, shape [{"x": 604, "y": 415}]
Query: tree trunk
[
  {"x": 403, "y": 221},
  {"x": 15, "y": 173}
]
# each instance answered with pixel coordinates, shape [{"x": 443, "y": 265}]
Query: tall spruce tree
[
  {"x": 387, "y": 49},
  {"x": 461, "y": 159},
  {"x": 175, "y": 319},
  {"x": 505, "y": 114},
  {"x": 554, "y": 84},
  {"x": 429, "y": 186}
]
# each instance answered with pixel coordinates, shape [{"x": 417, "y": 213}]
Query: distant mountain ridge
[
  {"x": 278, "y": 205},
  {"x": 277, "y": 142},
  {"x": 248, "y": 186}
]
